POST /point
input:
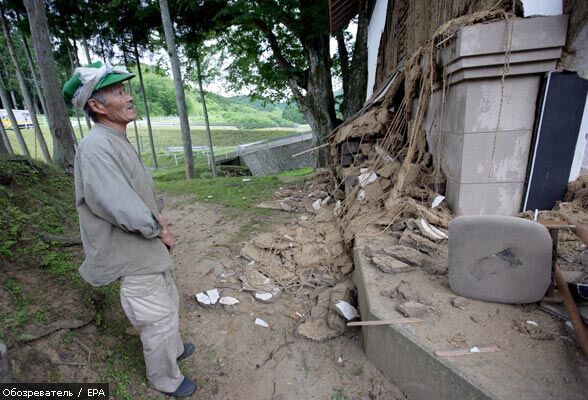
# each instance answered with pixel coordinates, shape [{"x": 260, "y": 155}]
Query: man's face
[{"x": 117, "y": 106}]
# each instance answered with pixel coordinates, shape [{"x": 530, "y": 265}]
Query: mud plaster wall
[{"x": 410, "y": 23}]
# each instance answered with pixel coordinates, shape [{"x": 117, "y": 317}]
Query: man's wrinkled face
[{"x": 115, "y": 104}]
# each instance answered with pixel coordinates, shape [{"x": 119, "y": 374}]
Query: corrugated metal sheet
[{"x": 341, "y": 12}]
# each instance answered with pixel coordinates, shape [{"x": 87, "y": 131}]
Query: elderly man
[{"x": 124, "y": 235}]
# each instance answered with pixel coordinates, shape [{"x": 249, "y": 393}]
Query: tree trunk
[
  {"x": 147, "y": 116},
  {"x": 24, "y": 90},
  {"x": 319, "y": 103},
  {"x": 131, "y": 93},
  {"x": 5, "y": 142},
  {"x": 180, "y": 98},
  {"x": 13, "y": 97},
  {"x": 205, "y": 111},
  {"x": 355, "y": 98},
  {"x": 59, "y": 123},
  {"x": 86, "y": 50},
  {"x": 34, "y": 73},
  {"x": 19, "y": 138}
]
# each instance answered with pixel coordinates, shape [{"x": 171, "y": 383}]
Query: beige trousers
[{"x": 151, "y": 303}]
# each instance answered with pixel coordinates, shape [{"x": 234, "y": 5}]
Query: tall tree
[
  {"x": 59, "y": 123},
  {"x": 8, "y": 107},
  {"x": 285, "y": 43},
  {"x": 180, "y": 97},
  {"x": 23, "y": 88},
  {"x": 205, "y": 112},
  {"x": 146, "y": 104},
  {"x": 355, "y": 76}
]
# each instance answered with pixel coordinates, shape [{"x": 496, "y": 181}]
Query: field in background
[{"x": 167, "y": 133}]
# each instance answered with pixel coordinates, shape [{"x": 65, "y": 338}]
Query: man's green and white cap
[{"x": 89, "y": 79}]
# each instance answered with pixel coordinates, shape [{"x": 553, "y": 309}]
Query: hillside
[{"x": 241, "y": 111}]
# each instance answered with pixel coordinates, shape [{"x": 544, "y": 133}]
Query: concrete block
[
  {"x": 395, "y": 351},
  {"x": 485, "y": 198},
  {"x": 495, "y": 157},
  {"x": 496, "y": 71},
  {"x": 527, "y": 34},
  {"x": 498, "y": 258},
  {"x": 451, "y": 157},
  {"x": 519, "y": 99},
  {"x": 530, "y": 57}
]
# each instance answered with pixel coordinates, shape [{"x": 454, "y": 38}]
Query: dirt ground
[
  {"x": 235, "y": 358},
  {"x": 238, "y": 359}
]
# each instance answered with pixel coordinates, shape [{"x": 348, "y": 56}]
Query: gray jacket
[{"x": 117, "y": 208}]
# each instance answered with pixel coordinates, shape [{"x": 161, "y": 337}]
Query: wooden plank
[
  {"x": 397, "y": 321},
  {"x": 465, "y": 352}
]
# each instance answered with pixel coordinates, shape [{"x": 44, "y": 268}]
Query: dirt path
[{"x": 237, "y": 359}]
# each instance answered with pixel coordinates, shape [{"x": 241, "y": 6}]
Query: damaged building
[{"x": 473, "y": 108}]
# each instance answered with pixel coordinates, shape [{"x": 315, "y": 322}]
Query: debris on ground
[
  {"x": 261, "y": 322},
  {"x": 228, "y": 301}
]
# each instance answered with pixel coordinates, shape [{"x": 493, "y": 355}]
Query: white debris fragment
[
  {"x": 246, "y": 179},
  {"x": 340, "y": 360},
  {"x": 437, "y": 200},
  {"x": 288, "y": 237},
  {"x": 337, "y": 208},
  {"x": 213, "y": 295},
  {"x": 304, "y": 217},
  {"x": 429, "y": 231},
  {"x": 317, "y": 205},
  {"x": 347, "y": 310},
  {"x": 532, "y": 323},
  {"x": 210, "y": 197},
  {"x": 203, "y": 299},
  {"x": 474, "y": 349},
  {"x": 261, "y": 322},
  {"x": 325, "y": 200},
  {"x": 361, "y": 195},
  {"x": 264, "y": 296},
  {"x": 228, "y": 301},
  {"x": 366, "y": 178},
  {"x": 227, "y": 274}
]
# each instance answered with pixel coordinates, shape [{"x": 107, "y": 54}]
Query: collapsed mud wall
[{"x": 411, "y": 23}]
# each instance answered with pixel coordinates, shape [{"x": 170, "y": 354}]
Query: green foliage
[{"x": 292, "y": 113}]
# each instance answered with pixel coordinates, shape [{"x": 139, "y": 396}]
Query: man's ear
[{"x": 96, "y": 106}]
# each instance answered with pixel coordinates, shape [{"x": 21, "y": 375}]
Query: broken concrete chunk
[
  {"x": 418, "y": 242},
  {"x": 228, "y": 301},
  {"x": 267, "y": 297},
  {"x": 213, "y": 295},
  {"x": 203, "y": 299},
  {"x": 388, "y": 170},
  {"x": 346, "y": 310},
  {"x": 405, "y": 292},
  {"x": 390, "y": 265},
  {"x": 261, "y": 322},
  {"x": 366, "y": 178},
  {"x": 407, "y": 254},
  {"x": 460, "y": 302},
  {"x": 437, "y": 201},
  {"x": 412, "y": 309}
]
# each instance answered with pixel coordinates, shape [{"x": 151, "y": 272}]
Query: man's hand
[{"x": 165, "y": 235}]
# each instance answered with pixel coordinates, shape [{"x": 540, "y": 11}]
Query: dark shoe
[
  {"x": 186, "y": 388},
  {"x": 188, "y": 350}
]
